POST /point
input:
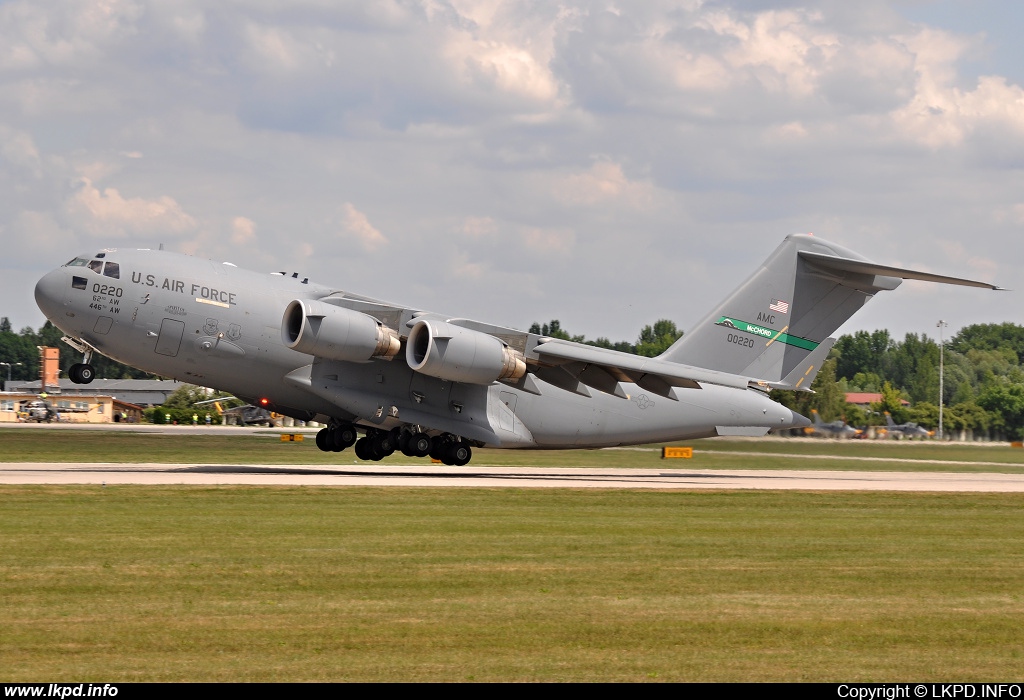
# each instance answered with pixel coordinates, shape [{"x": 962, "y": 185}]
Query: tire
[
  {"x": 420, "y": 445},
  {"x": 383, "y": 445},
  {"x": 323, "y": 440},
  {"x": 464, "y": 453},
  {"x": 364, "y": 450},
  {"x": 437, "y": 447},
  {"x": 343, "y": 437},
  {"x": 347, "y": 435},
  {"x": 457, "y": 454}
]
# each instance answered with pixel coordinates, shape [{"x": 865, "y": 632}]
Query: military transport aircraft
[{"x": 432, "y": 384}]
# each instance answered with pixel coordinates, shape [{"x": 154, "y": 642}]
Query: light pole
[{"x": 941, "y": 324}]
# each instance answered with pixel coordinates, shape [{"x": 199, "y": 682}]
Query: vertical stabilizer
[{"x": 786, "y": 310}]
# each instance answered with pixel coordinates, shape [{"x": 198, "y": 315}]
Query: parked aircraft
[
  {"x": 905, "y": 430},
  {"x": 836, "y": 428},
  {"x": 432, "y": 384}
]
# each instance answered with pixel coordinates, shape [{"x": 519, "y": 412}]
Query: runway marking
[{"x": 505, "y": 477}]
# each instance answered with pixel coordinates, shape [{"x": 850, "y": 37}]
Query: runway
[{"x": 429, "y": 475}]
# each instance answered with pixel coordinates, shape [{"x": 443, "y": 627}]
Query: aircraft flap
[{"x": 673, "y": 373}]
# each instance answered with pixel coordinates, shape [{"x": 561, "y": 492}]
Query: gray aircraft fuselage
[{"x": 219, "y": 326}]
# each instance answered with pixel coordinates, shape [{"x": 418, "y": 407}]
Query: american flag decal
[{"x": 778, "y": 305}]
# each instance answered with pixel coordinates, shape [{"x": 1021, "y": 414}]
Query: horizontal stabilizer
[{"x": 863, "y": 267}]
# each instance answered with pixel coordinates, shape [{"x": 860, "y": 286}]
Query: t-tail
[{"x": 775, "y": 327}]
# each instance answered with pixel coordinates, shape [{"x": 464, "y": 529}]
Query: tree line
[
  {"x": 21, "y": 351},
  {"x": 983, "y": 388}
]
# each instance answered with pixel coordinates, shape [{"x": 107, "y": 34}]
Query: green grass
[
  {"x": 373, "y": 584},
  {"x": 29, "y": 445}
]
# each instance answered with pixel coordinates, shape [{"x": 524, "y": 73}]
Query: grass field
[
  {"x": 279, "y": 584},
  {"x": 321, "y": 584},
  {"x": 28, "y": 445}
]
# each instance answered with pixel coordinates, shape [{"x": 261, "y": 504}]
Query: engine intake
[
  {"x": 336, "y": 333},
  {"x": 458, "y": 354}
]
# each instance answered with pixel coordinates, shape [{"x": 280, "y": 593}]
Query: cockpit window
[
  {"x": 77, "y": 262},
  {"x": 112, "y": 269},
  {"x": 96, "y": 266}
]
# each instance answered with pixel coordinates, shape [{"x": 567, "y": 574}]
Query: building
[
  {"x": 137, "y": 392},
  {"x": 864, "y": 399},
  {"x": 71, "y": 408}
]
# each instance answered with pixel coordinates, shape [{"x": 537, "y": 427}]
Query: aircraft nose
[{"x": 50, "y": 293}]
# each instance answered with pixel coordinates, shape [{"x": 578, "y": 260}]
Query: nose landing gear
[{"x": 82, "y": 372}]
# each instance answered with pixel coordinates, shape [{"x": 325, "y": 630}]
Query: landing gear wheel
[
  {"x": 81, "y": 373},
  {"x": 457, "y": 454},
  {"x": 364, "y": 450},
  {"x": 383, "y": 445},
  {"x": 437, "y": 445},
  {"x": 419, "y": 445},
  {"x": 324, "y": 440},
  {"x": 344, "y": 436}
]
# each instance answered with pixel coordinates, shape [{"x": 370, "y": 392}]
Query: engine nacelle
[
  {"x": 336, "y": 333},
  {"x": 458, "y": 354}
]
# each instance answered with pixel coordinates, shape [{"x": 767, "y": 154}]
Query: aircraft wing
[{"x": 603, "y": 369}]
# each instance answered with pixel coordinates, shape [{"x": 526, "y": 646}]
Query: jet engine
[
  {"x": 336, "y": 333},
  {"x": 458, "y": 354}
]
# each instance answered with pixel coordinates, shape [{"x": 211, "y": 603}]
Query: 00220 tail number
[{"x": 740, "y": 340}]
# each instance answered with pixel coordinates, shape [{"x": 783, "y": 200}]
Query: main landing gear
[{"x": 378, "y": 444}]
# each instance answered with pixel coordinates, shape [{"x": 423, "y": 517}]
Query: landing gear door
[
  {"x": 507, "y": 411},
  {"x": 170, "y": 337}
]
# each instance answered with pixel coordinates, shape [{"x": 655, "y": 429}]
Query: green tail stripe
[{"x": 767, "y": 333}]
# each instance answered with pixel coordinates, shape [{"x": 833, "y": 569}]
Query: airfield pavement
[
  {"x": 502, "y": 477},
  {"x": 436, "y": 475}
]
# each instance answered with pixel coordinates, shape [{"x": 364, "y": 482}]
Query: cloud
[
  {"x": 604, "y": 182},
  {"x": 356, "y": 227},
  {"x": 502, "y": 139},
  {"x": 549, "y": 241},
  {"x": 109, "y": 214},
  {"x": 479, "y": 227},
  {"x": 243, "y": 230}
]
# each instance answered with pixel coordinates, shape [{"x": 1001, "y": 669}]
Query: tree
[
  {"x": 658, "y": 338},
  {"x": 891, "y": 403},
  {"x": 1006, "y": 403}
]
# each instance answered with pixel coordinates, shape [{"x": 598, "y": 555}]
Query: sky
[{"x": 607, "y": 165}]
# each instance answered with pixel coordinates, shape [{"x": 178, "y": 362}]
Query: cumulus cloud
[
  {"x": 604, "y": 182},
  {"x": 107, "y": 213},
  {"x": 243, "y": 230},
  {"x": 356, "y": 227},
  {"x": 496, "y": 137}
]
